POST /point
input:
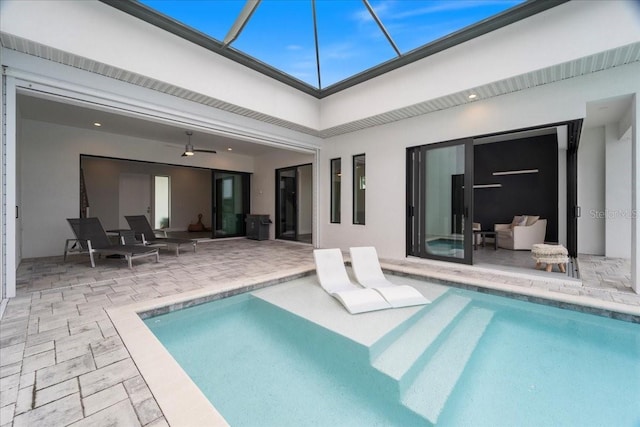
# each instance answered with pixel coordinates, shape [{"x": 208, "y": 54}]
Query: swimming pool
[{"x": 466, "y": 359}]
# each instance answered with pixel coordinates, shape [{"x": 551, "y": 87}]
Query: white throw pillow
[
  {"x": 518, "y": 220},
  {"x": 532, "y": 219}
]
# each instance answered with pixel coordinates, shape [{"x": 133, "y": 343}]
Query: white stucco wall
[
  {"x": 618, "y": 213},
  {"x": 634, "y": 122},
  {"x": 591, "y": 188},
  {"x": 305, "y": 199}
]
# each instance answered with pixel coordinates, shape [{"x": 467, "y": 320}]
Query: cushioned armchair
[{"x": 518, "y": 235}]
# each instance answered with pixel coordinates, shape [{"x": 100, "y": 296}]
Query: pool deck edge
[{"x": 606, "y": 308}]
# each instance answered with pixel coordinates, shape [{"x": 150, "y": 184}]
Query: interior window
[
  {"x": 359, "y": 187},
  {"x": 161, "y": 202},
  {"x": 336, "y": 174}
]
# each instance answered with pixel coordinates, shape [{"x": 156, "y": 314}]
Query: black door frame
[
  {"x": 574, "y": 130},
  {"x": 278, "y": 216},
  {"x": 246, "y": 202},
  {"x": 416, "y": 198},
  {"x": 413, "y": 210}
]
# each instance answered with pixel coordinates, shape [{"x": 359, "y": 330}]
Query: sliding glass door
[
  {"x": 294, "y": 203},
  {"x": 287, "y": 204},
  {"x": 440, "y": 200},
  {"x": 231, "y": 203}
]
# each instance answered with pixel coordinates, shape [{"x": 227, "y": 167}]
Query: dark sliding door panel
[{"x": 440, "y": 201}]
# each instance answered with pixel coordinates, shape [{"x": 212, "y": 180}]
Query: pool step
[
  {"x": 430, "y": 390},
  {"x": 403, "y": 353}
]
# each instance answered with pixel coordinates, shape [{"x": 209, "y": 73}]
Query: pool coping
[
  {"x": 184, "y": 404},
  {"x": 584, "y": 304}
]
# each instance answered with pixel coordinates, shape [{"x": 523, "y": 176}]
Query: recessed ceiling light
[
  {"x": 96, "y": 124},
  {"x": 473, "y": 96},
  {"x": 229, "y": 149}
]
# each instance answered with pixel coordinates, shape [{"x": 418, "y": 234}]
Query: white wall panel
[
  {"x": 591, "y": 192},
  {"x": 618, "y": 213}
]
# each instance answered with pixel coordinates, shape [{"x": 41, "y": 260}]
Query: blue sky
[{"x": 280, "y": 32}]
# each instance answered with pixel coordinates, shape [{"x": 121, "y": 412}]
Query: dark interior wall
[
  {"x": 190, "y": 189},
  {"x": 525, "y": 194}
]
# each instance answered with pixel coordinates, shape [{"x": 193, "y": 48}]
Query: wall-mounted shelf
[
  {"x": 487, "y": 186},
  {"x": 518, "y": 172}
]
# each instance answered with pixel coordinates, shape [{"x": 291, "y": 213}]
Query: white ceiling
[{"x": 45, "y": 110}]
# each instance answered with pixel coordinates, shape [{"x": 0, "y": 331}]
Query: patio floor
[{"x": 63, "y": 363}]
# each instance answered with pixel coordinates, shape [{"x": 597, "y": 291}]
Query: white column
[
  {"x": 3, "y": 279},
  {"x": 635, "y": 195},
  {"x": 8, "y": 177},
  {"x": 617, "y": 193}
]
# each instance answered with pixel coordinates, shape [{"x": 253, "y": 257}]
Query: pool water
[
  {"x": 492, "y": 361},
  {"x": 444, "y": 246},
  {"x": 260, "y": 366}
]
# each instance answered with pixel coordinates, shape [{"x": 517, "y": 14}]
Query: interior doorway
[
  {"x": 134, "y": 196},
  {"x": 294, "y": 203}
]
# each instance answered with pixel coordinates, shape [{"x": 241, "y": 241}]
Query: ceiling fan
[{"x": 190, "y": 151}]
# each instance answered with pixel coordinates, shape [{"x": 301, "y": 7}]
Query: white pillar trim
[
  {"x": 635, "y": 194},
  {"x": 9, "y": 179},
  {"x": 316, "y": 200}
]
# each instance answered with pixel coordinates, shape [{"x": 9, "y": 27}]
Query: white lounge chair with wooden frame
[
  {"x": 334, "y": 279},
  {"x": 366, "y": 267}
]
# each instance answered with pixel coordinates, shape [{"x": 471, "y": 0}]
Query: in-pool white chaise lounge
[
  {"x": 334, "y": 279},
  {"x": 366, "y": 267}
]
